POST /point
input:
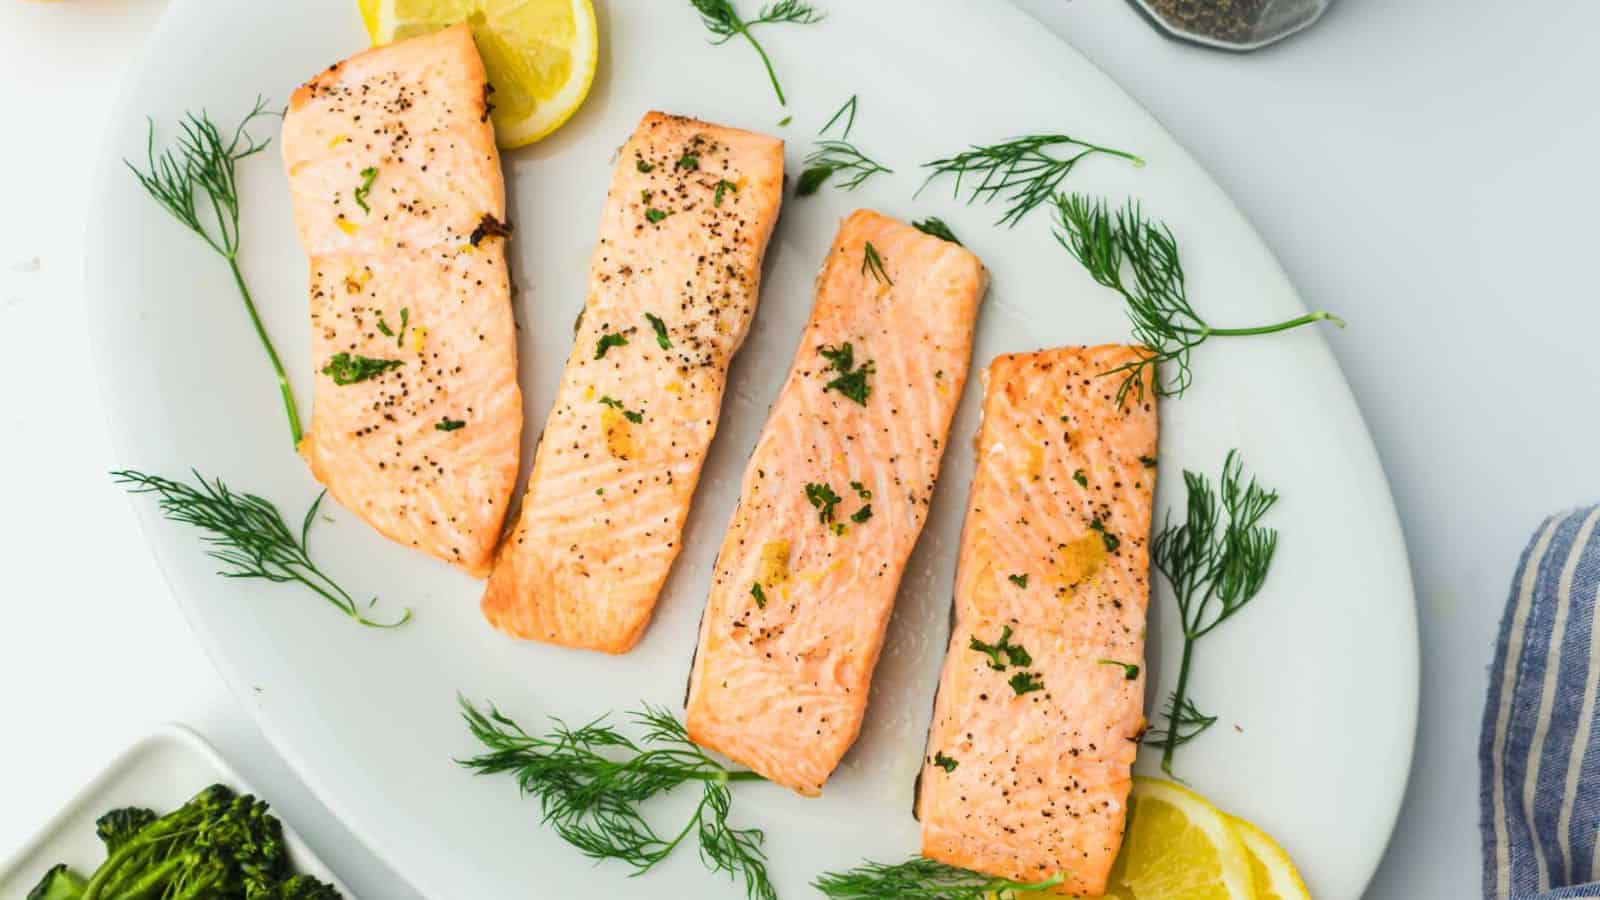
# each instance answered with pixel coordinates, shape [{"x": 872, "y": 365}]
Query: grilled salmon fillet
[
  {"x": 673, "y": 286},
  {"x": 832, "y": 501},
  {"x": 1039, "y": 709},
  {"x": 417, "y": 419}
]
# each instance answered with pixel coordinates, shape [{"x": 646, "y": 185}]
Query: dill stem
[
  {"x": 272, "y": 354},
  {"x": 1178, "y": 697},
  {"x": 1138, "y": 161},
  {"x": 1307, "y": 319},
  {"x": 746, "y": 776},
  {"x": 771, "y": 74}
]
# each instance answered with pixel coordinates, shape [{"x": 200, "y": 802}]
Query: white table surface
[{"x": 1426, "y": 168}]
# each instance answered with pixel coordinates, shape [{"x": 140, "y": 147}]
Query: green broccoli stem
[
  {"x": 149, "y": 883},
  {"x": 104, "y": 883}
]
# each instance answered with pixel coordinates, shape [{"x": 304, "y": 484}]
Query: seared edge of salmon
[
  {"x": 673, "y": 286},
  {"x": 781, "y": 686},
  {"x": 1027, "y": 783}
]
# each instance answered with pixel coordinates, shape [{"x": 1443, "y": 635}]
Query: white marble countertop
[{"x": 1425, "y": 168}]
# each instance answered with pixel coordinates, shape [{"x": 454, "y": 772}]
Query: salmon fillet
[
  {"x": 832, "y": 502},
  {"x": 417, "y": 419},
  {"x": 673, "y": 286},
  {"x": 1039, "y": 709}
]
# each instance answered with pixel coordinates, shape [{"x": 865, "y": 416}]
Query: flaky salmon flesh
[
  {"x": 417, "y": 418},
  {"x": 673, "y": 286},
  {"x": 1038, "y": 715},
  {"x": 832, "y": 502}
]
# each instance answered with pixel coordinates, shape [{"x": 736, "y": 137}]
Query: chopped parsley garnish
[
  {"x": 1149, "y": 462},
  {"x": 1026, "y": 683},
  {"x": 368, "y": 175},
  {"x": 347, "y": 369},
  {"x": 944, "y": 762},
  {"x": 1111, "y": 541},
  {"x": 689, "y": 161},
  {"x": 1080, "y": 478},
  {"x": 759, "y": 594},
  {"x": 643, "y": 166},
  {"x": 1129, "y": 670},
  {"x": 489, "y": 226},
  {"x": 851, "y": 380},
  {"x": 872, "y": 263},
  {"x": 838, "y": 529},
  {"x": 1013, "y": 654},
  {"x": 1020, "y": 581},
  {"x": 630, "y": 415},
  {"x": 862, "y": 514},
  {"x": 405, "y": 318},
  {"x": 822, "y": 497},
  {"x": 660, "y": 329},
  {"x": 655, "y": 215},
  {"x": 449, "y": 424},
  {"x": 723, "y": 187},
  {"x": 607, "y": 341},
  {"x": 645, "y": 195},
  {"x": 861, "y": 490},
  {"x": 936, "y": 227}
]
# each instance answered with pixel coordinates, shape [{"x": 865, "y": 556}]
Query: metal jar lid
[{"x": 1232, "y": 24}]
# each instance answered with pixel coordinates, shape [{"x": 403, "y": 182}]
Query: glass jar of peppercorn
[{"x": 1233, "y": 24}]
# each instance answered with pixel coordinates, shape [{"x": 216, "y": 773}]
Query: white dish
[
  {"x": 1316, "y": 684},
  {"x": 160, "y": 772}
]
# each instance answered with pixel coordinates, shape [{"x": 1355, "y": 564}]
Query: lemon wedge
[
  {"x": 540, "y": 54},
  {"x": 1275, "y": 876},
  {"x": 1178, "y": 845}
]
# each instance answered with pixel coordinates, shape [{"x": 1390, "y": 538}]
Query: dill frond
[
  {"x": 723, "y": 21},
  {"x": 1214, "y": 574},
  {"x": 838, "y": 156},
  {"x": 592, "y": 780},
  {"x": 935, "y": 226},
  {"x": 923, "y": 878},
  {"x": 1021, "y": 172},
  {"x": 248, "y": 535},
  {"x": 1139, "y": 259},
  {"x": 203, "y": 164},
  {"x": 872, "y": 264}
]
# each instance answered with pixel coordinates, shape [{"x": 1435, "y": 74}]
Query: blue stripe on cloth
[
  {"x": 1559, "y": 717},
  {"x": 1539, "y": 721}
]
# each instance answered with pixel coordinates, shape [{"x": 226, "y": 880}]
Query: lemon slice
[
  {"x": 1178, "y": 845},
  {"x": 369, "y": 17},
  {"x": 1275, "y": 876},
  {"x": 541, "y": 54}
]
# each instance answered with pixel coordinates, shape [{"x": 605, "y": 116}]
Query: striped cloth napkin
[{"x": 1540, "y": 750}]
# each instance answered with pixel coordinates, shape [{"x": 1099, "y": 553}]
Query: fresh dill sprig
[
  {"x": 872, "y": 264},
  {"x": 935, "y": 226},
  {"x": 838, "y": 156},
  {"x": 248, "y": 535},
  {"x": 1139, "y": 259},
  {"x": 1216, "y": 561},
  {"x": 1020, "y": 171},
  {"x": 204, "y": 162},
  {"x": 722, "y": 20},
  {"x": 923, "y": 878},
  {"x": 590, "y": 782}
]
